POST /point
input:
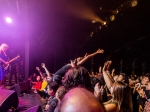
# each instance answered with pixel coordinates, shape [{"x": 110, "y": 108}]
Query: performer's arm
[{"x": 3, "y": 61}]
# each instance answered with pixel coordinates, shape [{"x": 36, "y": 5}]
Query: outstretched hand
[
  {"x": 43, "y": 65},
  {"x": 100, "y": 51},
  {"x": 73, "y": 63}
]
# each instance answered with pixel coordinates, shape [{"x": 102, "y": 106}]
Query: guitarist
[{"x": 3, "y": 60}]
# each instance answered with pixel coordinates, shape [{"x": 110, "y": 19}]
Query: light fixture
[
  {"x": 8, "y": 20},
  {"x": 100, "y": 8},
  {"x": 91, "y": 34},
  {"x": 116, "y": 11},
  {"x": 112, "y": 17},
  {"x": 104, "y": 23},
  {"x": 134, "y": 3}
]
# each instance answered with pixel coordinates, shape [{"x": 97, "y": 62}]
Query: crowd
[{"x": 73, "y": 89}]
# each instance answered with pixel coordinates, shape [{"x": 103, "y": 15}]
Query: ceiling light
[
  {"x": 134, "y": 3},
  {"x": 104, "y": 23},
  {"x": 112, "y": 17}
]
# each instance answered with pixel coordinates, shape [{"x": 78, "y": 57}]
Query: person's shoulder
[
  {"x": 111, "y": 107},
  {"x": 54, "y": 102}
]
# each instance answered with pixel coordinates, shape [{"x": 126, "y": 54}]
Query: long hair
[
  {"x": 75, "y": 77},
  {"x": 4, "y": 45},
  {"x": 123, "y": 95}
]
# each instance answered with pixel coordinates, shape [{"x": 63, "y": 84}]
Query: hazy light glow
[
  {"x": 80, "y": 10},
  {"x": 112, "y": 17},
  {"x": 134, "y": 3},
  {"x": 8, "y": 20},
  {"x": 104, "y": 23}
]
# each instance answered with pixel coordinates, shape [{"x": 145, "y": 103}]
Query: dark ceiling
[{"x": 61, "y": 30}]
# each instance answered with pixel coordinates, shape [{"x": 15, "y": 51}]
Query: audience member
[{"x": 79, "y": 99}]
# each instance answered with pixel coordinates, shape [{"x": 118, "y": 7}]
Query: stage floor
[{"x": 28, "y": 100}]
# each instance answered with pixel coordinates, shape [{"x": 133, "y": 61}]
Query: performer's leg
[
  {"x": 15, "y": 74},
  {"x": 10, "y": 77},
  {"x": 3, "y": 78}
]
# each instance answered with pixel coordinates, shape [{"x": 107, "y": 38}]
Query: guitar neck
[
  {"x": 2, "y": 60},
  {"x": 13, "y": 59}
]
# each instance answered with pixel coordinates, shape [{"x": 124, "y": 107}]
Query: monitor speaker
[
  {"x": 8, "y": 99},
  {"x": 19, "y": 87}
]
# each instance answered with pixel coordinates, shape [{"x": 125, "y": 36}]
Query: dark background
[{"x": 60, "y": 30}]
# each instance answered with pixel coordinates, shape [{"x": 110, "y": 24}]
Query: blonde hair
[{"x": 4, "y": 45}]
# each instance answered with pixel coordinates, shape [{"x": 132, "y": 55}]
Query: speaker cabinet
[
  {"x": 20, "y": 87},
  {"x": 8, "y": 99}
]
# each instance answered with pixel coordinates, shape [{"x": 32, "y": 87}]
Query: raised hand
[
  {"x": 85, "y": 55},
  {"x": 79, "y": 59},
  {"x": 43, "y": 65},
  {"x": 100, "y": 51},
  {"x": 113, "y": 70},
  {"x": 98, "y": 90},
  {"x": 107, "y": 65},
  {"x": 37, "y": 68},
  {"x": 73, "y": 63},
  {"x": 100, "y": 69},
  {"x": 141, "y": 91}
]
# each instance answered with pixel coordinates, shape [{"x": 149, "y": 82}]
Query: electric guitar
[{"x": 5, "y": 66}]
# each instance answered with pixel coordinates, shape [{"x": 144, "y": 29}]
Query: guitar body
[{"x": 6, "y": 66}]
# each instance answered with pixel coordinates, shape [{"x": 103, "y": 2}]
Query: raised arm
[
  {"x": 38, "y": 69},
  {"x": 113, "y": 72},
  {"x": 107, "y": 76},
  {"x": 86, "y": 57},
  {"x": 109, "y": 107},
  {"x": 46, "y": 70}
]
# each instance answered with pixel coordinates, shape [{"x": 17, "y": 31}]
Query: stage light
[
  {"x": 134, "y": 3},
  {"x": 100, "y": 27},
  {"x": 116, "y": 11},
  {"x": 112, "y": 17},
  {"x": 104, "y": 23},
  {"x": 8, "y": 20},
  {"x": 100, "y": 8},
  {"x": 91, "y": 34}
]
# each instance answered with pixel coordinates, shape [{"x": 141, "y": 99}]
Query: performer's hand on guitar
[{"x": 6, "y": 63}]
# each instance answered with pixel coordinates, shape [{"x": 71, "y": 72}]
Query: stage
[{"x": 27, "y": 100}]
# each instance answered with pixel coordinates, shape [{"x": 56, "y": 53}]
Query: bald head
[{"x": 79, "y": 99}]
